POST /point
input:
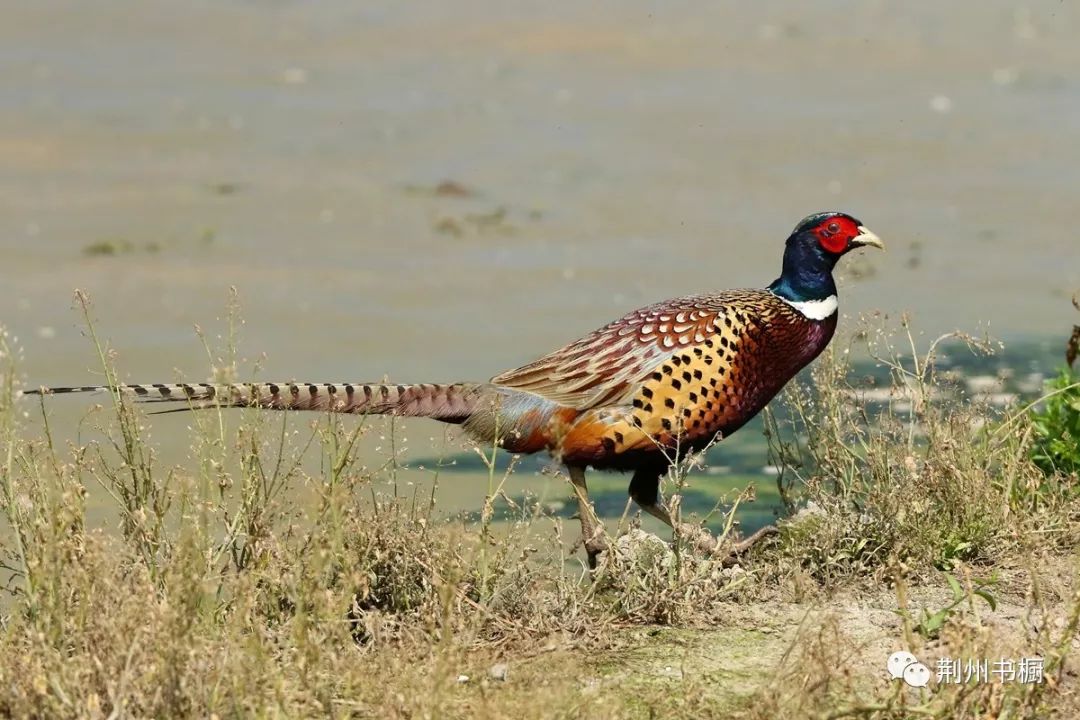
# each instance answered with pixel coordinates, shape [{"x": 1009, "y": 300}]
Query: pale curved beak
[{"x": 865, "y": 237}]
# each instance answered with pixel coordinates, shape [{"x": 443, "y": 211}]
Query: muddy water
[{"x": 603, "y": 155}]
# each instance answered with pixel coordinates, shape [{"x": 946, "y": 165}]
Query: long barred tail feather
[
  {"x": 453, "y": 403},
  {"x": 521, "y": 420}
]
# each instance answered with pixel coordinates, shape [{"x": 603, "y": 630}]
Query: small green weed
[
  {"x": 1056, "y": 425},
  {"x": 929, "y": 624}
]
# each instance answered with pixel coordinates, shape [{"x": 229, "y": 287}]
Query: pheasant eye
[{"x": 831, "y": 237}]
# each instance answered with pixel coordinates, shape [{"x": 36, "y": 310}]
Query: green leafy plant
[
  {"x": 929, "y": 624},
  {"x": 1056, "y": 426}
]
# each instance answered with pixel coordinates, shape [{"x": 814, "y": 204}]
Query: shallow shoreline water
[{"x": 438, "y": 195}]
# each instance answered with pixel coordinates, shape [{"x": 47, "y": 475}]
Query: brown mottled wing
[
  {"x": 688, "y": 390},
  {"x": 607, "y": 366}
]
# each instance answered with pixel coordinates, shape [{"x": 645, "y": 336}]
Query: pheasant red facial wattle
[{"x": 667, "y": 379}]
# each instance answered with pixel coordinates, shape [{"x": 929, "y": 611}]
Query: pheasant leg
[
  {"x": 645, "y": 489},
  {"x": 703, "y": 541},
  {"x": 592, "y": 531}
]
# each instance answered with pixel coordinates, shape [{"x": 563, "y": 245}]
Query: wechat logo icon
[{"x": 902, "y": 665}]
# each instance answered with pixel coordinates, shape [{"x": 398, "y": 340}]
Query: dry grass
[
  {"x": 218, "y": 596},
  {"x": 925, "y": 479}
]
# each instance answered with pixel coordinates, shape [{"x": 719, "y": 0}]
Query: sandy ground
[{"x": 774, "y": 645}]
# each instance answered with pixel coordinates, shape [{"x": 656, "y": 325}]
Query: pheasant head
[{"x": 813, "y": 248}]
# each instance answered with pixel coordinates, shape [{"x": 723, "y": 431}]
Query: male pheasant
[{"x": 664, "y": 380}]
